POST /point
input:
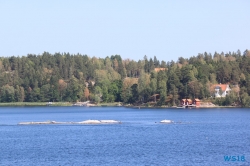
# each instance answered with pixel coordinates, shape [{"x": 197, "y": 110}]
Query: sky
[{"x": 166, "y": 29}]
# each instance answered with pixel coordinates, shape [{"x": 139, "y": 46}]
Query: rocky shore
[{"x": 82, "y": 122}]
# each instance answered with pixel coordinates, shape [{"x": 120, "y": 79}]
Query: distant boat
[{"x": 166, "y": 121}]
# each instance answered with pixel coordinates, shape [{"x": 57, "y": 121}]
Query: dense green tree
[
  {"x": 98, "y": 94},
  {"x": 245, "y": 100},
  {"x": 64, "y": 77},
  {"x": 163, "y": 91},
  {"x": 7, "y": 93},
  {"x": 135, "y": 94}
]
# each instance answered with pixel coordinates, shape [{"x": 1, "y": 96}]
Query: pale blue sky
[{"x": 167, "y": 29}]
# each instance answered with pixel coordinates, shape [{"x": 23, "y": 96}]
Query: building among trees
[{"x": 221, "y": 90}]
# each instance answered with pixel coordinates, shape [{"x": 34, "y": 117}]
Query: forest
[{"x": 66, "y": 77}]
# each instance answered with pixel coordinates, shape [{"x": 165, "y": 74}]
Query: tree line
[{"x": 68, "y": 77}]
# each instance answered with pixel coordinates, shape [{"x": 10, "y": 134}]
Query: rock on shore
[
  {"x": 90, "y": 122},
  {"x": 109, "y": 121},
  {"x": 82, "y": 122},
  {"x": 99, "y": 122},
  {"x": 45, "y": 122}
]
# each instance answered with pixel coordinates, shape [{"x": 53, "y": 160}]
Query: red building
[
  {"x": 190, "y": 103},
  {"x": 197, "y": 102},
  {"x": 186, "y": 102}
]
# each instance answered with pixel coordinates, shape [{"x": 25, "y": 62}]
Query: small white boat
[{"x": 166, "y": 121}]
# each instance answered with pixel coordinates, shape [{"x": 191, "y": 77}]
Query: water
[{"x": 200, "y": 136}]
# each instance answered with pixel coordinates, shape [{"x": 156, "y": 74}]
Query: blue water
[{"x": 199, "y": 136}]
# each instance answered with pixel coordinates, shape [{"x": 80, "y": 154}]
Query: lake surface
[{"x": 198, "y": 136}]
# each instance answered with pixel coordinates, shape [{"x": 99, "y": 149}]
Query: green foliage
[
  {"x": 64, "y": 77},
  {"x": 245, "y": 100},
  {"x": 7, "y": 93}
]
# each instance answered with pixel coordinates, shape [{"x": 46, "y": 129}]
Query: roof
[
  {"x": 196, "y": 100},
  {"x": 189, "y": 100},
  {"x": 223, "y": 87}
]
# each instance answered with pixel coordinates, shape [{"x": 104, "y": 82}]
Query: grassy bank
[
  {"x": 35, "y": 104},
  {"x": 109, "y": 104}
]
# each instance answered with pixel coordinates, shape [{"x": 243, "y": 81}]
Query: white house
[{"x": 221, "y": 90}]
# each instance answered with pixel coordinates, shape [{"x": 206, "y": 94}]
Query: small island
[{"x": 82, "y": 122}]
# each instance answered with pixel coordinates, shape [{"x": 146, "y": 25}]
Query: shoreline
[
  {"x": 69, "y": 104},
  {"x": 21, "y": 104},
  {"x": 59, "y": 104},
  {"x": 144, "y": 107}
]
